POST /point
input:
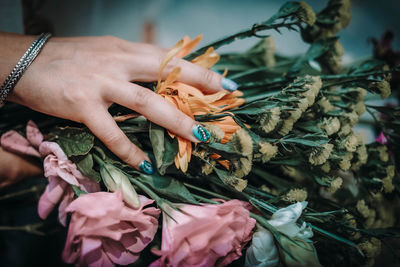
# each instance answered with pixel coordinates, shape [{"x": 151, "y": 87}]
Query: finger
[
  {"x": 104, "y": 127},
  {"x": 197, "y": 76},
  {"x": 202, "y": 78},
  {"x": 156, "y": 109}
]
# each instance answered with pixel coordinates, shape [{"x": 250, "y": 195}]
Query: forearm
[{"x": 12, "y": 47}]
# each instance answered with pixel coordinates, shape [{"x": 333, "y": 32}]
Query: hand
[
  {"x": 79, "y": 78},
  {"x": 14, "y": 168}
]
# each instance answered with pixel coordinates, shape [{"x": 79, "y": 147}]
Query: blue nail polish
[
  {"x": 201, "y": 133},
  {"x": 146, "y": 167},
  {"x": 229, "y": 84}
]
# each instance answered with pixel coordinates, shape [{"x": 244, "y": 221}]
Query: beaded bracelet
[{"x": 22, "y": 65}]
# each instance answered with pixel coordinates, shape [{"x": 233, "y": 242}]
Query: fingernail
[
  {"x": 146, "y": 167},
  {"x": 201, "y": 133},
  {"x": 229, "y": 85}
]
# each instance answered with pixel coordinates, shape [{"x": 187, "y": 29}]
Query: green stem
[
  {"x": 98, "y": 160},
  {"x": 247, "y": 72},
  {"x": 356, "y": 75},
  {"x": 160, "y": 201},
  {"x": 206, "y": 200},
  {"x": 29, "y": 228},
  {"x": 206, "y": 191},
  {"x": 240, "y": 35},
  {"x": 33, "y": 189},
  {"x": 145, "y": 189}
]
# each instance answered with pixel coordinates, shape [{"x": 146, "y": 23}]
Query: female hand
[
  {"x": 79, "y": 78},
  {"x": 14, "y": 168}
]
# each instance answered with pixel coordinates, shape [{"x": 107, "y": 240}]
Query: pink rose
[
  {"x": 60, "y": 171},
  {"x": 104, "y": 230},
  {"x": 16, "y": 143},
  {"x": 208, "y": 235}
]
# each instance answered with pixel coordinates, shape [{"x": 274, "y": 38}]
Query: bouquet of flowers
[{"x": 283, "y": 179}]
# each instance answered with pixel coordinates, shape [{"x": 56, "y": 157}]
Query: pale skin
[{"x": 78, "y": 78}]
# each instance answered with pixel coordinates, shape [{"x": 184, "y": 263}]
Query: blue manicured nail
[
  {"x": 146, "y": 167},
  {"x": 229, "y": 84},
  {"x": 201, "y": 133}
]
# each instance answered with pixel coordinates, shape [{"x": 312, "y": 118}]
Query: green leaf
[
  {"x": 309, "y": 126},
  {"x": 321, "y": 181},
  {"x": 73, "y": 141},
  {"x": 289, "y": 161},
  {"x": 85, "y": 166},
  {"x": 164, "y": 148},
  {"x": 168, "y": 187},
  {"x": 255, "y": 107},
  {"x": 287, "y": 9},
  {"x": 316, "y": 50},
  {"x": 304, "y": 142},
  {"x": 334, "y": 112},
  {"x": 157, "y": 142},
  {"x": 226, "y": 148}
]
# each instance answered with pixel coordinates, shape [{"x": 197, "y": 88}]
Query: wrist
[
  {"x": 22, "y": 65},
  {"x": 12, "y": 47}
]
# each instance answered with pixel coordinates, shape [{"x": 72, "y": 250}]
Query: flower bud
[
  {"x": 262, "y": 251},
  {"x": 115, "y": 180}
]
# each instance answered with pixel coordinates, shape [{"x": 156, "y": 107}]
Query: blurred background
[{"x": 164, "y": 22}]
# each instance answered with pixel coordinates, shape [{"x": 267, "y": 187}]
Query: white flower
[
  {"x": 263, "y": 251},
  {"x": 284, "y": 220}
]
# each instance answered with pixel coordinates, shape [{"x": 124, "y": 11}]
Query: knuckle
[
  {"x": 172, "y": 64},
  {"x": 181, "y": 121},
  {"x": 130, "y": 155},
  {"x": 208, "y": 77},
  {"x": 112, "y": 139},
  {"x": 141, "y": 98},
  {"x": 114, "y": 43}
]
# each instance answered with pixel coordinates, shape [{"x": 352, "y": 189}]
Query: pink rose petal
[
  {"x": 105, "y": 218},
  {"x": 208, "y": 235},
  {"x": 34, "y": 136},
  {"x": 16, "y": 143}
]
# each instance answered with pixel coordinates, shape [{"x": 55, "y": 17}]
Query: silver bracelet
[{"x": 22, "y": 65}]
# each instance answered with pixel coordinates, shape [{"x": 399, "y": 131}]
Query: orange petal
[
  {"x": 125, "y": 117},
  {"x": 190, "y": 90},
  {"x": 176, "y": 160},
  {"x": 183, "y": 163},
  {"x": 225, "y": 163},
  {"x": 189, "y": 152},
  {"x": 215, "y": 156},
  {"x": 182, "y": 145},
  {"x": 170, "y": 54},
  {"x": 189, "y": 45},
  {"x": 208, "y": 59}
]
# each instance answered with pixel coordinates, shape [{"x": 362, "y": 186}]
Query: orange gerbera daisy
[{"x": 192, "y": 101}]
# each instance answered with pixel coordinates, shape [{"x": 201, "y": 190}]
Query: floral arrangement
[{"x": 284, "y": 178}]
